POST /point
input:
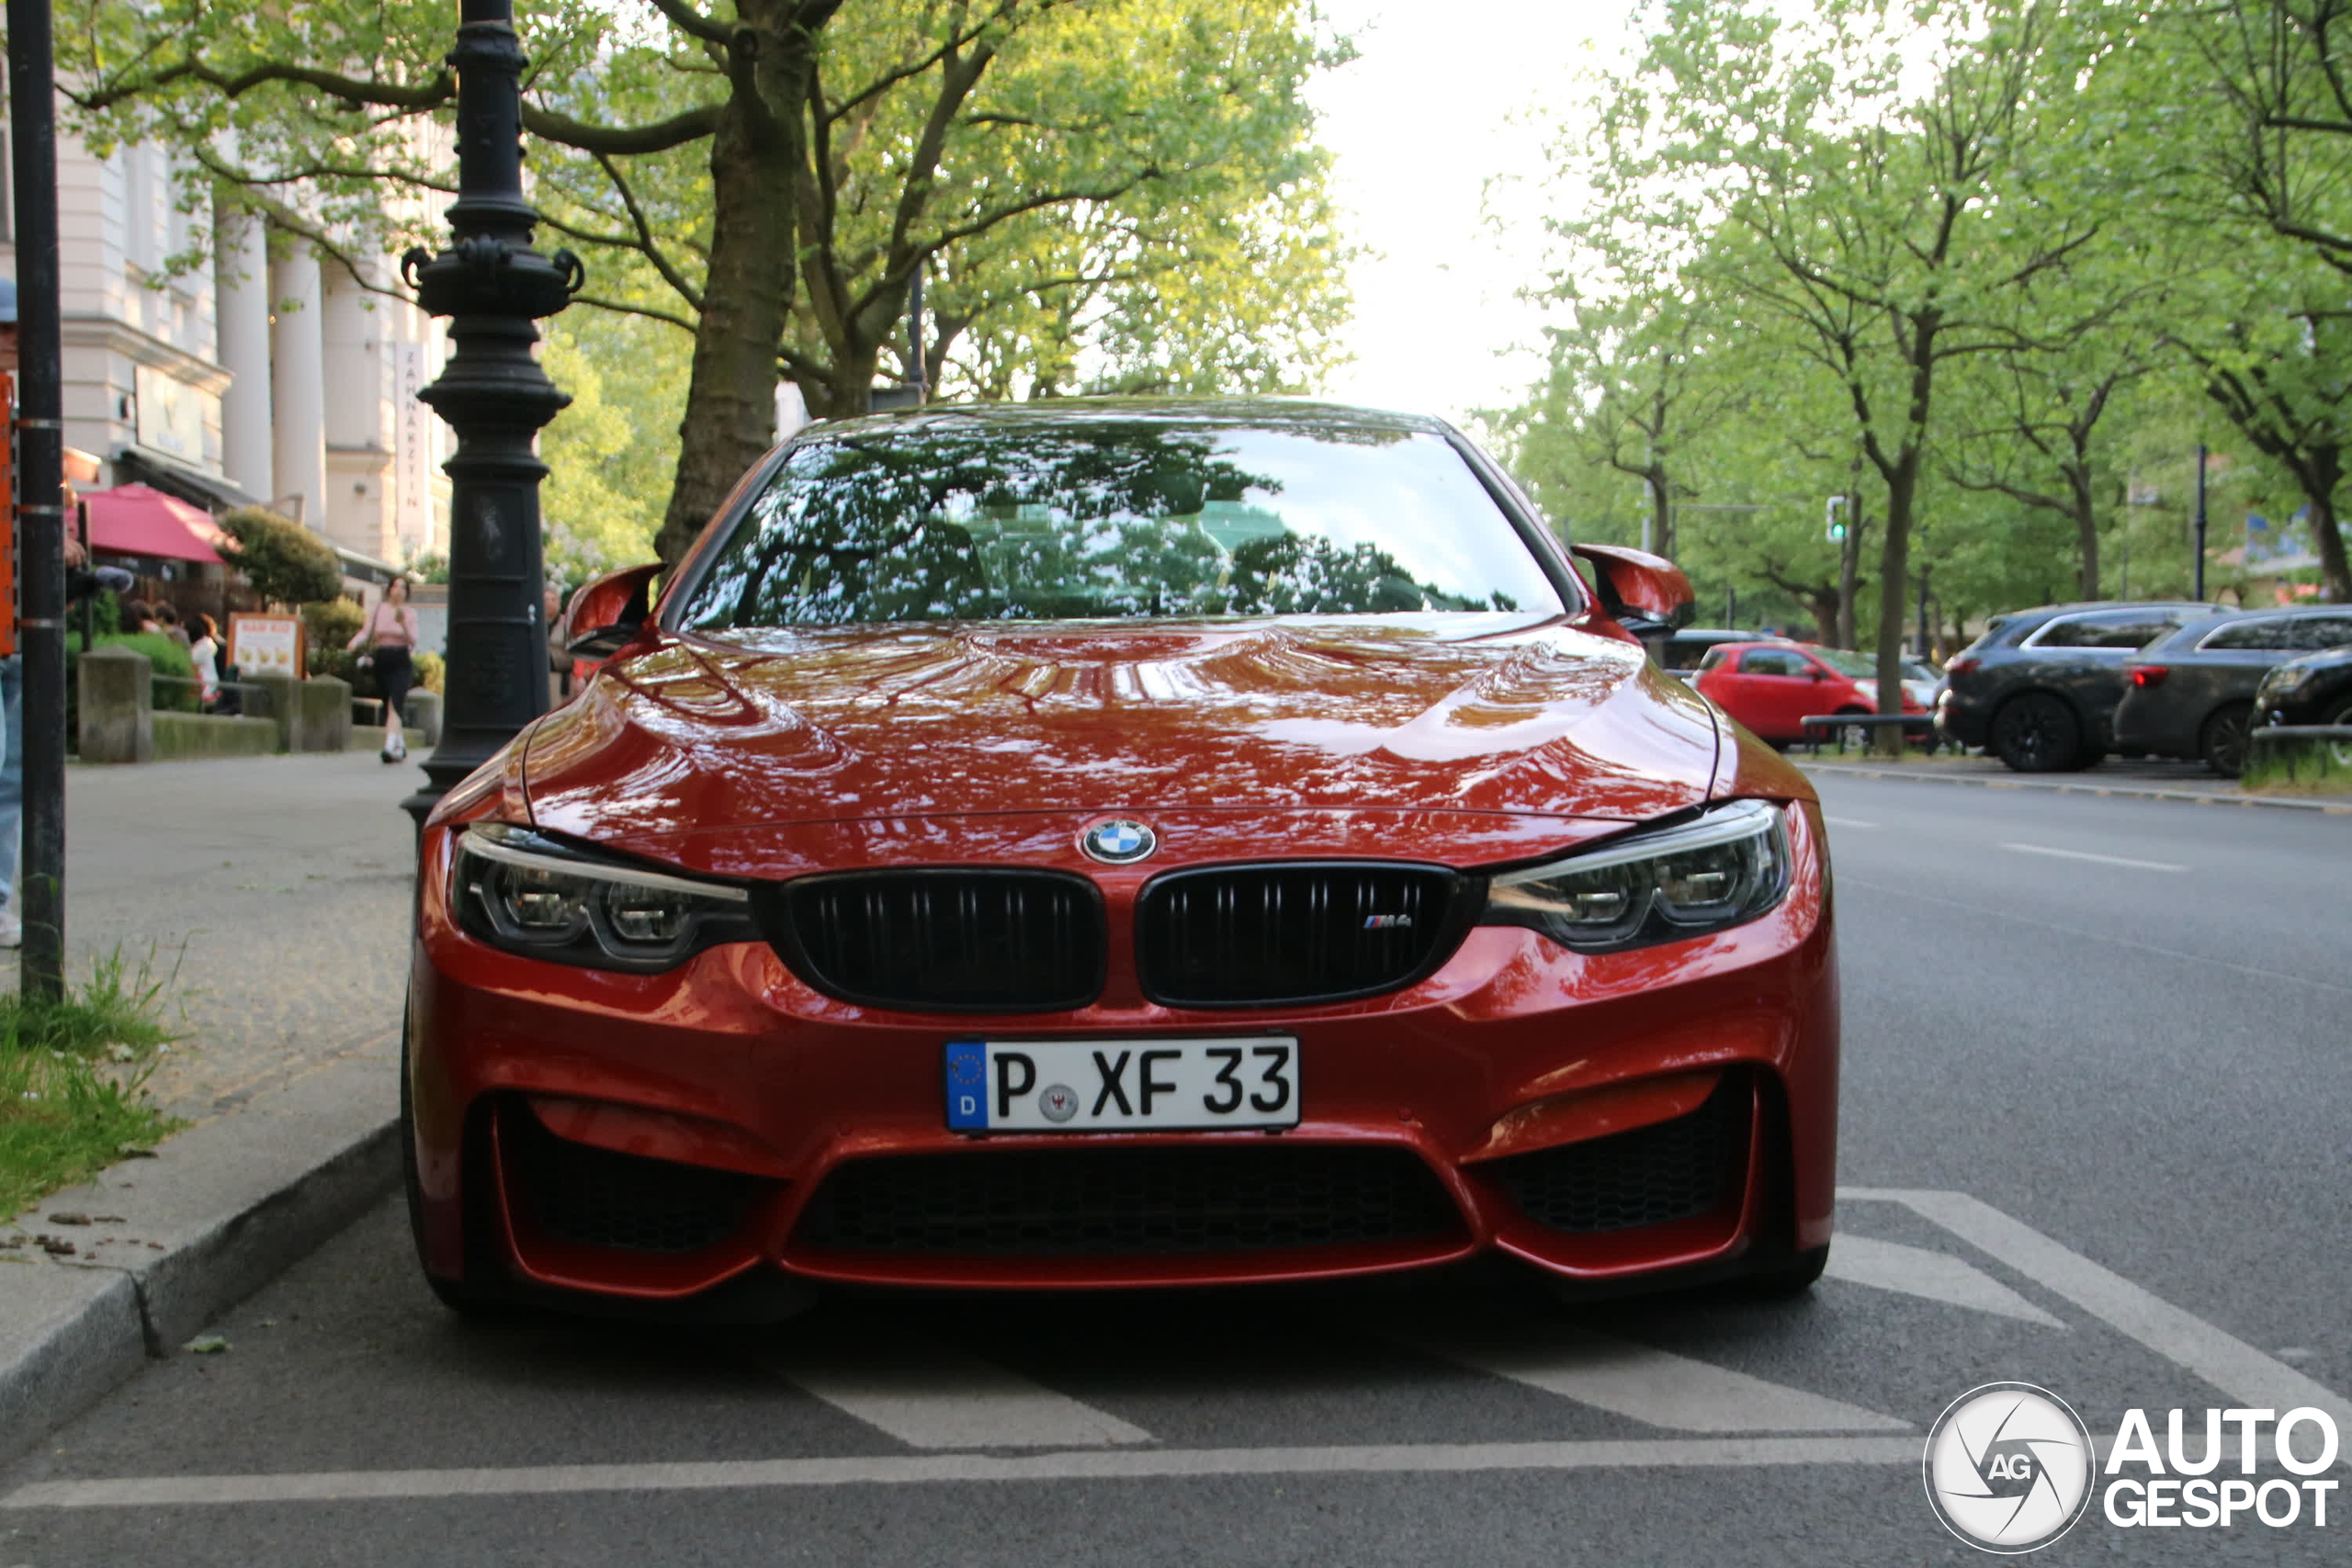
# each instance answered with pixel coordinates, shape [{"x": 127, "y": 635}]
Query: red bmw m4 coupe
[{"x": 1116, "y": 843}]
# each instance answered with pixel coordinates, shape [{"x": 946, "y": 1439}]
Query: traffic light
[{"x": 1837, "y": 517}]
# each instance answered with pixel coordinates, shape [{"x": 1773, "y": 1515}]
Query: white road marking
[
  {"x": 1845, "y": 821},
  {"x": 2237, "y": 1368},
  {"x": 1095, "y": 1464},
  {"x": 1938, "y": 1276},
  {"x": 1647, "y": 1384},
  {"x": 1650, "y": 1385},
  {"x": 930, "y": 1395},
  {"x": 2101, "y": 859}
]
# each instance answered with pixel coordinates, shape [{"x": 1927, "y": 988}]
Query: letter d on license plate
[{"x": 1120, "y": 1085}]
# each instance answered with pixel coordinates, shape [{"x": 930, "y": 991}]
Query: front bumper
[{"x": 1605, "y": 1118}]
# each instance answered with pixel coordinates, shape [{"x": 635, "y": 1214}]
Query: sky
[{"x": 1420, "y": 124}]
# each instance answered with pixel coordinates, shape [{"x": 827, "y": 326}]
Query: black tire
[
  {"x": 459, "y": 1297},
  {"x": 2222, "y": 739},
  {"x": 2037, "y": 733},
  {"x": 2340, "y": 750},
  {"x": 1793, "y": 1277}
]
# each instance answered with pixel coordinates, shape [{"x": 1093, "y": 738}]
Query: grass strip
[
  {"x": 2304, "y": 770},
  {"x": 73, "y": 1080}
]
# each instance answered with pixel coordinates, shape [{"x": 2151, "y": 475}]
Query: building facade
[{"x": 257, "y": 372}]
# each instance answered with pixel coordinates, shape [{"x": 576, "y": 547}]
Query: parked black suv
[
  {"x": 2314, "y": 689},
  {"x": 2038, "y": 689},
  {"x": 2191, "y": 693}
]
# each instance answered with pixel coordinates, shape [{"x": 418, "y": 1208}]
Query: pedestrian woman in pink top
[{"x": 389, "y": 638}]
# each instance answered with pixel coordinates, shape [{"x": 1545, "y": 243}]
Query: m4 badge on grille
[{"x": 1388, "y": 922}]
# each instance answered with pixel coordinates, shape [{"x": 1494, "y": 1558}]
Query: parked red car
[
  {"x": 1772, "y": 687},
  {"x": 1107, "y": 843}
]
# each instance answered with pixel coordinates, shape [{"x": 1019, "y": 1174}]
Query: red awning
[{"x": 132, "y": 520}]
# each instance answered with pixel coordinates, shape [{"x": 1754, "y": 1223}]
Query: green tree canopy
[{"x": 768, "y": 175}]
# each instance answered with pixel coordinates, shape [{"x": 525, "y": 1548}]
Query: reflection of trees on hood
[{"x": 949, "y": 520}]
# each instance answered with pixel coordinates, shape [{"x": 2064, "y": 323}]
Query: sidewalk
[
  {"x": 278, "y": 888},
  {"x": 271, "y": 894},
  {"x": 2148, "y": 779}
]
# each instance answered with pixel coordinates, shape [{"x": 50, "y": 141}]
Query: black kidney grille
[
  {"x": 1109, "y": 1201},
  {"x": 948, "y": 941},
  {"x": 1651, "y": 1176},
  {"x": 592, "y": 1197},
  {"x": 1242, "y": 936}
]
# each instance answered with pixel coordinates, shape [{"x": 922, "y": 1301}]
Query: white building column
[
  {"x": 298, "y": 386},
  {"x": 241, "y": 294}
]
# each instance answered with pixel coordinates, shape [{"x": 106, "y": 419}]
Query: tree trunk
[
  {"x": 2079, "y": 482},
  {"x": 2327, "y": 534},
  {"x": 846, "y": 389},
  {"x": 747, "y": 292},
  {"x": 1661, "y": 512},
  {"x": 1824, "y": 608}
]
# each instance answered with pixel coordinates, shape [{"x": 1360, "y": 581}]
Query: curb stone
[
  {"x": 2053, "y": 786},
  {"x": 222, "y": 1208}
]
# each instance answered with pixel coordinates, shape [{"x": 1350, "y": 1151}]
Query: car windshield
[
  {"x": 968, "y": 519},
  {"x": 1849, "y": 664}
]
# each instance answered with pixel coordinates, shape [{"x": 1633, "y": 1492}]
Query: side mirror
[
  {"x": 1645, "y": 593},
  {"x": 1820, "y": 674},
  {"x": 606, "y": 613}
]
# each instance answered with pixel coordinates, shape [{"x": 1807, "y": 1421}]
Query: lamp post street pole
[
  {"x": 2199, "y": 555},
  {"x": 492, "y": 285},
  {"x": 40, "y": 507}
]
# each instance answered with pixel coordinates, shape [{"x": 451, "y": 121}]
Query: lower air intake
[
  {"x": 1651, "y": 1176},
  {"x": 1107, "y": 1203},
  {"x": 592, "y": 1197}
]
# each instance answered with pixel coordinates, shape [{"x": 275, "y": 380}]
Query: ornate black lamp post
[{"x": 494, "y": 287}]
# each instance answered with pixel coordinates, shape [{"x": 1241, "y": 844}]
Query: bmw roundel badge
[{"x": 1119, "y": 842}]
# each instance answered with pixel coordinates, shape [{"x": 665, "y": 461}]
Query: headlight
[
  {"x": 527, "y": 894},
  {"x": 2284, "y": 682},
  {"x": 1721, "y": 870}
]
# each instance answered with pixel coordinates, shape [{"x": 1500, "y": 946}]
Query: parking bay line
[
  {"x": 930, "y": 1395},
  {"x": 2253, "y": 1378},
  {"x": 1933, "y": 1276},
  {"x": 1656, "y": 1387},
  {"x": 2099, "y": 860},
  {"x": 1092, "y": 1464}
]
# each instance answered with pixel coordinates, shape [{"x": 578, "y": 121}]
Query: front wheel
[
  {"x": 2341, "y": 750},
  {"x": 2222, "y": 742},
  {"x": 2038, "y": 733}
]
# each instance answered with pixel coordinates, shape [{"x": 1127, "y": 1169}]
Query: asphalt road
[{"x": 2098, "y": 1065}]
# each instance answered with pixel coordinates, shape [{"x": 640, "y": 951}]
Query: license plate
[{"x": 1121, "y": 1085}]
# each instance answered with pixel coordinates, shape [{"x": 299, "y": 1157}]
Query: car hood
[{"x": 1494, "y": 714}]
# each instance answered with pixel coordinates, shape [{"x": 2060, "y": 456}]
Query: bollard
[
  {"x": 323, "y": 715},
  {"x": 423, "y": 715},
  {"x": 280, "y": 686},
  {"x": 118, "y": 722}
]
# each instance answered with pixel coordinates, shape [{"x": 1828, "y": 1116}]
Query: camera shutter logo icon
[{"x": 2008, "y": 1468}]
